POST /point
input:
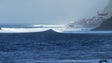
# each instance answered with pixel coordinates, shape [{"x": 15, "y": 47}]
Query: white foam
[
  {"x": 22, "y": 30},
  {"x": 79, "y": 30},
  {"x": 48, "y": 26},
  {"x": 57, "y": 28},
  {"x": 37, "y": 28}
]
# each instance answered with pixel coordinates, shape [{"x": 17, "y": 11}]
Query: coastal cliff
[{"x": 106, "y": 25}]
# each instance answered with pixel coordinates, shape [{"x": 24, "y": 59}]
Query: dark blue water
[{"x": 52, "y": 46}]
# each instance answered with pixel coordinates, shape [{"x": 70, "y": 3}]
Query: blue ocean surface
[{"x": 53, "y": 47}]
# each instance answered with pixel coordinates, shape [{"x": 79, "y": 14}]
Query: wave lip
[
  {"x": 41, "y": 28},
  {"x": 53, "y": 28}
]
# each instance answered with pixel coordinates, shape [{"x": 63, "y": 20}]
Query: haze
[{"x": 48, "y": 11}]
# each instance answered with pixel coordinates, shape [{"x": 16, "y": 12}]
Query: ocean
[{"x": 53, "y": 47}]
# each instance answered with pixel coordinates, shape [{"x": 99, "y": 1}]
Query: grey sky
[{"x": 48, "y": 11}]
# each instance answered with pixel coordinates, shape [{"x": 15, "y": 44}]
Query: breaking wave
[
  {"x": 22, "y": 30},
  {"x": 56, "y": 28},
  {"x": 40, "y": 28},
  {"x": 59, "y": 30}
]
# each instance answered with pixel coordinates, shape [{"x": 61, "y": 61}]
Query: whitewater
[{"x": 56, "y": 28}]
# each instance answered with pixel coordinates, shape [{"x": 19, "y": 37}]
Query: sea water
[{"x": 54, "y": 47}]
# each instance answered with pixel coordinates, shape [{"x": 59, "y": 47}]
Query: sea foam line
[{"x": 59, "y": 30}]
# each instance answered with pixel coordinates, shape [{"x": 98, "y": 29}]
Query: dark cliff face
[{"x": 106, "y": 25}]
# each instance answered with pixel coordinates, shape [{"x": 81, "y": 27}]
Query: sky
[{"x": 48, "y": 11}]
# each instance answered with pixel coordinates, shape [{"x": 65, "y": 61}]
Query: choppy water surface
[{"x": 53, "y": 47}]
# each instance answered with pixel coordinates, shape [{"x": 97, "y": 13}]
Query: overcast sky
[{"x": 48, "y": 11}]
